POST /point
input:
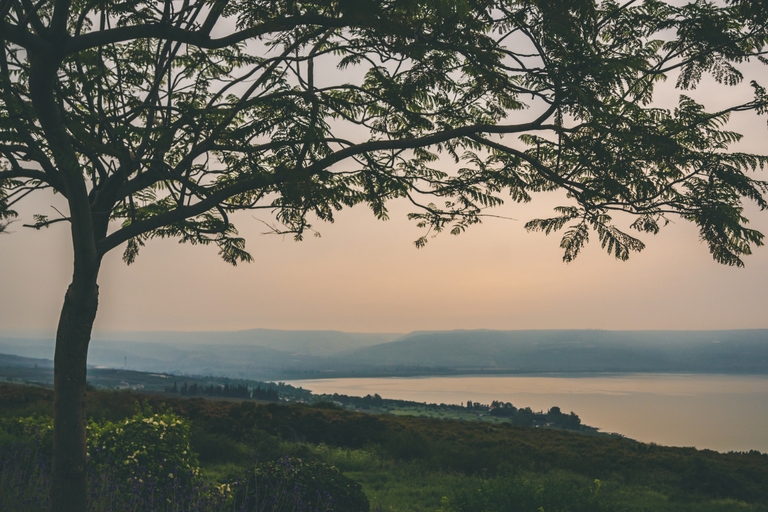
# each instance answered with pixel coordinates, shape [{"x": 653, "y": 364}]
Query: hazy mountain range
[{"x": 274, "y": 354}]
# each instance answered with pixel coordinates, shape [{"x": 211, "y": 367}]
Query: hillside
[
  {"x": 738, "y": 351},
  {"x": 409, "y": 464},
  {"x": 275, "y": 355}
]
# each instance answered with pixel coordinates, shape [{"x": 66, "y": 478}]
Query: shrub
[
  {"x": 141, "y": 484},
  {"x": 218, "y": 448},
  {"x": 154, "y": 446},
  {"x": 554, "y": 494},
  {"x": 19, "y": 430},
  {"x": 295, "y": 484}
]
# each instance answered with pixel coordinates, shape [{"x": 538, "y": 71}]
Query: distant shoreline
[
  {"x": 506, "y": 372},
  {"x": 723, "y": 412}
]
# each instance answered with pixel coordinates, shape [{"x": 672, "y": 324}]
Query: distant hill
[
  {"x": 251, "y": 353},
  {"x": 274, "y": 354},
  {"x": 739, "y": 351},
  {"x": 24, "y": 362},
  {"x": 314, "y": 343}
]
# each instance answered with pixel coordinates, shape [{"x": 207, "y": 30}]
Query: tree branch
[{"x": 197, "y": 38}]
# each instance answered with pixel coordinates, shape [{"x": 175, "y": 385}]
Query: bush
[
  {"x": 134, "y": 465},
  {"x": 19, "y": 430},
  {"x": 554, "y": 494},
  {"x": 218, "y": 448},
  {"x": 154, "y": 446},
  {"x": 294, "y": 484}
]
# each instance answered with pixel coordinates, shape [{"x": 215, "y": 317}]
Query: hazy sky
[{"x": 366, "y": 275}]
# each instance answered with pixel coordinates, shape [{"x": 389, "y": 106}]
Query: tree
[{"x": 162, "y": 119}]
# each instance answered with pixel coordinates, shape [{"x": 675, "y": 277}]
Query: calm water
[{"x": 719, "y": 412}]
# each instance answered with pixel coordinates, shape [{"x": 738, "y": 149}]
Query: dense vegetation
[
  {"x": 235, "y": 391},
  {"x": 496, "y": 411},
  {"x": 225, "y": 387},
  {"x": 401, "y": 463}
]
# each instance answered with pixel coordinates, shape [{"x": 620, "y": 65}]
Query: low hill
[
  {"x": 24, "y": 362},
  {"x": 272, "y": 354},
  {"x": 736, "y": 351}
]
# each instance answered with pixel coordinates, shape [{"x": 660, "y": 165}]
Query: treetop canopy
[{"x": 162, "y": 118}]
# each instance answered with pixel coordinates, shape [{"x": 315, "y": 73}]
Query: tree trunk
[{"x": 68, "y": 487}]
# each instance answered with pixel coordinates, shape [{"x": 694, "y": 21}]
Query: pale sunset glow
[{"x": 365, "y": 275}]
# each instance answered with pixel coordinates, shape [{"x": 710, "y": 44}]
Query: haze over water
[{"x": 718, "y": 412}]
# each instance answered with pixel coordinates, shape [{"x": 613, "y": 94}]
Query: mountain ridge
[{"x": 270, "y": 353}]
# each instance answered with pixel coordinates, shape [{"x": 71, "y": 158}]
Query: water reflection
[{"x": 719, "y": 412}]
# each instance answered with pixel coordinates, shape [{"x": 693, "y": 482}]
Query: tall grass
[{"x": 25, "y": 476}]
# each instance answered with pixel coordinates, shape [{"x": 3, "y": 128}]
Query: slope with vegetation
[
  {"x": 399, "y": 463},
  {"x": 22, "y": 371}
]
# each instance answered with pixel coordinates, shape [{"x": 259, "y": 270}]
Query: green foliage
[
  {"x": 326, "y": 405},
  {"x": 219, "y": 449},
  {"x": 20, "y": 429},
  {"x": 555, "y": 493},
  {"x": 323, "y": 486},
  {"x": 158, "y": 443},
  {"x": 402, "y": 487},
  {"x": 470, "y": 464},
  {"x": 347, "y": 460}
]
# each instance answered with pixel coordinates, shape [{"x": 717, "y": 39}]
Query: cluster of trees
[
  {"x": 568, "y": 421},
  {"x": 527, "y": 417},
  {"x": 374, "y": 400},
  {"x": 523, "y": 417},
  {"x": 360, "y": 402},
  {"x": 226, "y": 391}
]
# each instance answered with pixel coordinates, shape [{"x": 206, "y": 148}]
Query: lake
[{"x": 718, "y": 412}]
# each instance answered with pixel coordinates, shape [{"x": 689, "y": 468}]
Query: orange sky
[{"x": 366, "y": 275}]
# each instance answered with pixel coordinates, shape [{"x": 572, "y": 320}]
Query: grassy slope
[{"x": 409, "y": 463}]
